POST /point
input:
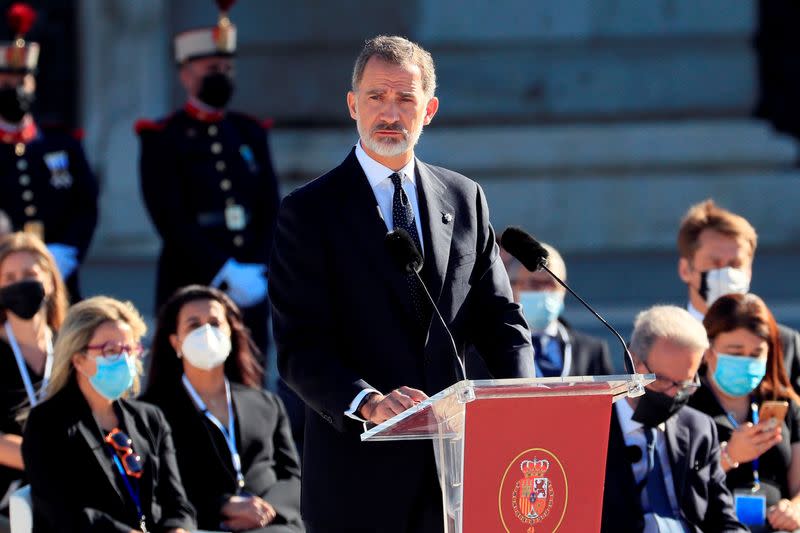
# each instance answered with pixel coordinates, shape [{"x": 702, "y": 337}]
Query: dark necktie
[
  {"x": 547, "y": 356},
  {"x": 655, "y": 485},
  {"x": 403, "y": 217}
]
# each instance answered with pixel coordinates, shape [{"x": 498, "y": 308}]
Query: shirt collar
[
  {"x": 694, "y": 312},
  {"x": 376, "y": 172},
  {"x": 626, "y": 421}
]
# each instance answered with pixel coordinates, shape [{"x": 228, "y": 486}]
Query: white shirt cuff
[{"x": 353, "y": 411}]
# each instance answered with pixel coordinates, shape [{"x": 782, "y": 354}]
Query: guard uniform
[
  {"x": 209, "y": 186},
  {"x": 46, "y": 185}
]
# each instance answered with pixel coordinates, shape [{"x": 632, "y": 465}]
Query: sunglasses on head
[{"x": 122, "y": 444}]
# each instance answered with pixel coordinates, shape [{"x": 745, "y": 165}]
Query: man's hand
[
  {"x": 378, "y": 408},
  {"x": 247, "y": 512}
]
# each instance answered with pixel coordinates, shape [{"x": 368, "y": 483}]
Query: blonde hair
[
  {"x": 77, "y": 330},
  {"x": 57, "y": 302}
]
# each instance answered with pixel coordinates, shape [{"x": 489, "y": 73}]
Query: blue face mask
[
  {"x": 114, "y": 375},
  {"x": 541, "y": 307},
  {"x": 738, "y": 375}
]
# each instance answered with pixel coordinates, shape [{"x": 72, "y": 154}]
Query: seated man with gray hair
[
  {"x": 663, "y": 471},
  {"x": 559, "y": 350}
]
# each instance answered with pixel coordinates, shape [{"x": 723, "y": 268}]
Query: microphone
[
  {"x": 407, "y": 257},
  {"x": 533, "y": 257}
]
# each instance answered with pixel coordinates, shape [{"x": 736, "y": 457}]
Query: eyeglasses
[
  {"x": 111, "y": 349},
  {"x": 683, "y": 388},
  {"x": 121, "y": 443}
]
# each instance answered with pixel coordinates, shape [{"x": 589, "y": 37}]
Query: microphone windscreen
[
  {"x": 525, "y": 248},
  {"x": 403, "y": 251}
]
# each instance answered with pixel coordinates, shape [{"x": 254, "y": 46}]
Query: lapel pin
[{"x": 447, "y": 218}]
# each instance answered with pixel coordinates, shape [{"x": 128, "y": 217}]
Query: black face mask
[
  {"x": 656, "y": 407},
  {"x": 23, "y": 298},
  {"x": 14, "y": 103},
  {"x": 216, "y": 90}
]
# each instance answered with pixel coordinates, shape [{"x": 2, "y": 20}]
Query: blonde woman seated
[
  {"x": 33, "y": 302},
  {"x": 96, "y": 460}
]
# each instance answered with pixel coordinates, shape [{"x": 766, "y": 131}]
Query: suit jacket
[
  {"x": 590, "y": 356},
  {"x": 74, "y": 483},
  {"x": 704, "y": 500},
  {"x": 270, "y": 463},
  {"x": 344, "y": 322},
  {"x": 191, "y": 170},
  {"x": 790, "y": 341}
]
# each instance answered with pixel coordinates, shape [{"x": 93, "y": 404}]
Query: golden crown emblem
[{"x": 535, "y": 468}]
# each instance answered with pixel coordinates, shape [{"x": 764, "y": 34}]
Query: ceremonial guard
[
  {"x": 46, "y": 185},
  {"x": 208, "y": 181}
]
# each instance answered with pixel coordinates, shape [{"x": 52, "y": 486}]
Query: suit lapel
[
  {"x": 678, "y": 444},
  {"x": 618, "y": 464},
  {"x": 437, "y": 221},
  {"x": 367, "y": 230},
  {"x": 90, "y": 432}
]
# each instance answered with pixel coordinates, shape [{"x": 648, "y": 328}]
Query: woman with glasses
[
  {"x": 96, "y": 460},
  {"x": 743, "y": 370},
  {"x": 33, "y": 303},
  {"x": 232, "y": 439}
]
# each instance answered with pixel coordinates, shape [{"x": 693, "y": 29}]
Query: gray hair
[
  {"x": 666, "y": 322},
  {"x": 397, "y": 51},
  {"x": 554, "y": 262}
]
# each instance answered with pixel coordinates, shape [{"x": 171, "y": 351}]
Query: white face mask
[
  {"x": 721, "y": 281},
  {"x": 206, "y": 347}
]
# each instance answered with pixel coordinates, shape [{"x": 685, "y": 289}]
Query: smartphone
[{"x": 773, "y": 409}]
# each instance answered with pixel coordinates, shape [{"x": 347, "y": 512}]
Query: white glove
[
  {"x": 66, "y": 257},
  {"x": 247, "y": 285}
]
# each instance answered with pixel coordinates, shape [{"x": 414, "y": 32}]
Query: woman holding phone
[{"x": 747, "y": 393}]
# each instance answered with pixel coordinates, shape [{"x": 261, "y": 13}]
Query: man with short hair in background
[
  {"x": 662, "y": 469},
  {"x": 717, "y": 248}
]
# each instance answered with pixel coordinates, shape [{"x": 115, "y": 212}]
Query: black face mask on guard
[
  {"x": 15, "y": 103},
  {"x": 23, "y": 298},
  {"x": 216, "y": 90}
]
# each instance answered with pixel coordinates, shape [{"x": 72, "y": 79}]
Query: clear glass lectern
[{"x": 518, "y": 454}]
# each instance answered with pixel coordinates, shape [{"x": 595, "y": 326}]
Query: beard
[{"x": 388, "y": 146}]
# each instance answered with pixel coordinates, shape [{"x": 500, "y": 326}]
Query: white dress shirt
[
  {"x": 378, "y": 177},
  {"x": 382, "y": 187},
  {"x": 633, "y": 433},
  {"x": 694, "y": 312}
]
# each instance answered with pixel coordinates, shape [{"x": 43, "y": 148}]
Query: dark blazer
[
  {"x": 74, "y": 483},
  {"x": 270, "y": 464},
  {"x": 190, "y": 171},
  {"x": 590, "y": 355},
  {"x": 704, "y": 500},
  {"x": 344, "y": 322},
  {"x": 790, "y": 340}
]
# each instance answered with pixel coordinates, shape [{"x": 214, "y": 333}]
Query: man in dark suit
[
  {"x": 208, "y": 182},
  {"x": 662, "y": 470},
  {"x": 717, "y": 248},
  {"x": 559, "y": 350},
  {"x": 356, "y": 337}
]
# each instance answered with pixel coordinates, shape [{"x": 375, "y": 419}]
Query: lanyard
[
  {"x": 228, "y": 433},
  {"x": 133, "y": 493},
  {"x": 23, "y": 368},
  {"x": 754, "y": 419}
]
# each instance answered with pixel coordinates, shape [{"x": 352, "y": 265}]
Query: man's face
[
  {"x": 715, "y": 250},
  {"x": 671, "y": 362},
  {"x": 533, "y": 281},
  {"x": 192, "y": 72},
  {"x": 390, "y": 108}
]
